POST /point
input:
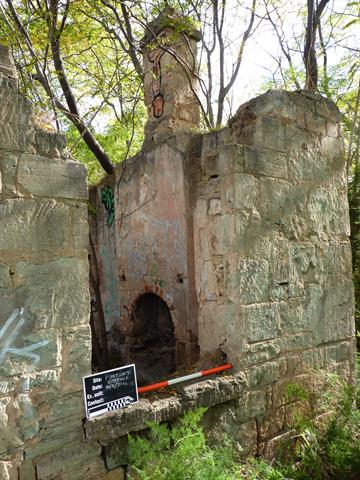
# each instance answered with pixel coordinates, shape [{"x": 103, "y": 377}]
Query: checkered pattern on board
[{"x": 117, "y": 404}]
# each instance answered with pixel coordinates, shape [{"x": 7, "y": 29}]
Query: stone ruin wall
[
  {"x": 264, "y": 215},
  {"x": 45, "y": 342},
  {"x": 273, "y": 267},
  {"x": 261, "y": 242}
]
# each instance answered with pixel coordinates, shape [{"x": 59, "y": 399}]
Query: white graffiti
[{"x": 9, "y": 333}]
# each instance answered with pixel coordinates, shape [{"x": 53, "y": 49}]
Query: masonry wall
[
  {"x": 262, "y": 210},
  {"x": 273, "y": 259},
  {"x": 45, "y": 343},
  {"x": 243, "y": 233}
]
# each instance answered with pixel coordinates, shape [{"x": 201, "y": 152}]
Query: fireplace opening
[{"x": 152, "y": 343}]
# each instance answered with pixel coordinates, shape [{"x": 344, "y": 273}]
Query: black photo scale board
[{"x": 110, "y": 390}]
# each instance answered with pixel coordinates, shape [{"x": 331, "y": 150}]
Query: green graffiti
[{"x": 107, "y": 198}]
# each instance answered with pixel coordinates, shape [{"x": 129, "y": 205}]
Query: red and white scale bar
[{"x": 185, "y": 378}]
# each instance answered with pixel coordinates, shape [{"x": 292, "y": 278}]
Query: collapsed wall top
[{"x": 169, "y": 57}]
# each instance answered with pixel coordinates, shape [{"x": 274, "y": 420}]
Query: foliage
[
  {"x": 334, "y": 451},
  {"x": 314, "y": 451},
  {"x": 181, "y": 453},
  {"x": 120, "y": 139}
]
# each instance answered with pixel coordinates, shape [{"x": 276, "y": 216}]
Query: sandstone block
[
  {"x": 338, "y": 353},
  {"x": 292, "y": 316},
  {"x": 221, "y": 233},
  {"x": 275, "y": 447},
  {"x": 76, "y": 363},
  {"x": 8, "y": 166},
  {"x": 251, "y": 405},
  {"x": 16, "y": 132},
  {"x": 77, "y": 461},
  {"x": 297, "y": 341},
  {"x": 212, "y": 334},
  {"x": 49, "y": 144},
  {"x": 253, "y": 280},
  {"x": 241, "y": 191},
  {"x": 45, "y": 226},
  {"x": 27, "y": 351},
  {"x": 327, "y": 110},
  {"x": 335, "y": 223},
  {"x": 267, "y": 132},
  {"x": 27, "y": 471},
  {"x": 264, "y": 374},
  {"x": 246, "y": 435},
  {"x": 265, "y": 162},
  {"x": 276, "y": 200},
  {"x": 272, "y": 423},
  {"x": 117, "y": 474},
  {"x": 116, "y": 453},
  {"x": 261, "y": 352},
  {"x": 52, "y": 178},
  {"x": 214, "y": 206},
  {"x": 262, "y": 320},
  {"x": 56, "y": 292}
]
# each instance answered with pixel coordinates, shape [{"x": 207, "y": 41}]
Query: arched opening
[{"x": 152, "y": 343}]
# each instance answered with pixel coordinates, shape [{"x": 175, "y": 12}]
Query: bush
[
  {"x": 329, "y": 452},
  {"x": 181, "y": 453}
]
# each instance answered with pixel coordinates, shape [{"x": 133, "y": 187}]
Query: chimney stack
[{"x": 169, "y": 55}]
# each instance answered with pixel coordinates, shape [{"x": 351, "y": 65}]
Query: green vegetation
[{"x": 314, "y": 451}]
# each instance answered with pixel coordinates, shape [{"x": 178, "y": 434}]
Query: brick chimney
[{"x": 169, "y": 55}]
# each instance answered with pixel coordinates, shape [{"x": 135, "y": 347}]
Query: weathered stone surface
[
  {"x": 135, "y": 418},
  {"x": 9, "y": 163},
  {"x": 242, "y": 233},
  {"x": 77, "y": 461},
  {"x": 52, "y": 178},
  {"x": 49, "y": 144},
  {"x": 50, "y": 286},
  {"x": 212, "y": 333},
  {"x": 251, "y": 405},
  {"x": 7, "y": 65},
  {"x": 116, "y": 453},
  {"x": 8, "y": 471},
  {"x": 45, "y": 345},
  {"x": 16, "y": 132},
  {"x": 267, "y": 373},
  {"x": 265, "y": 162},
  {"x": 117, "y": 474},
  {"x": 262, "y": 321},
  {"x": 41, "y": 225},
  {"x": 254, "y": 283}
]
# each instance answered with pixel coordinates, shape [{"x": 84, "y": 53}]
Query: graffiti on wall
[
  {"x": 158, "y": 98},
  {"x": 107, "y": 199},
  {"x": 9, "y": 333}
]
